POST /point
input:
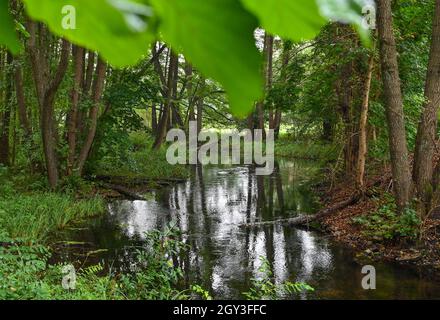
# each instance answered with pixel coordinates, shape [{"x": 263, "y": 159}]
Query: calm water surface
[{"x": 224, "y": 257}]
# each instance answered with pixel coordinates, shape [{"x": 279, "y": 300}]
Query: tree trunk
[
  {"x": 362, "y": 154},
  {"x": 394, "y": 106},
  {"x": 6, "y": 121},
  {"x": 165, "y": 119},
  {"x": 200, "y": 103},
  {"x": 153, "y": 119},
  {"x": 98, "y": 88},
  {"x": 48, "y": 129},
  {"x": 21, "y": 103},
  {"x": 427, "y": 132},
  {"x": 72, "y": 125}
]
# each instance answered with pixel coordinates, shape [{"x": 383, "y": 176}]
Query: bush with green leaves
[
  {"x": 26, "y": 274},
  {"x": 140, "y": 161},
  {"x": 387, "y": 224},
  {"x": 264, "y": 287}
]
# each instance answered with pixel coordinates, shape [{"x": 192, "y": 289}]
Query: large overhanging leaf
[
  {"x": 351, "y": 12},
  {"x": 217, "y": 37},
  {"x": 115, "y": 28},
  {"x": 293, "y": 19},
  {"x": 303, "y": 19},
  {"x": 8, "y": 36}
]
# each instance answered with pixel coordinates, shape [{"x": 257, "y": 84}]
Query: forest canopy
[{"x": 122, "y": 31}]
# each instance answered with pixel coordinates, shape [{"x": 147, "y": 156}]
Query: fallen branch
[
  {"x": 139, "y": 180},
  {"x": 305, "y": 219},
  {"x": 122, "y": 190}
]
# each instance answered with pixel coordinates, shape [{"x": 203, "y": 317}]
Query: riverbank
[{"x": 376, "y": 233}]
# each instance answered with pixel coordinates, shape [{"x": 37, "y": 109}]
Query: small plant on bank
[
  {"x": 386, "y": 224},
  {"x": 26, "y": 274},
  {"x": 264, "y": 287}
]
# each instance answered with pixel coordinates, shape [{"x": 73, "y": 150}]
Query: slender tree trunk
[
  {"x": 21, "y": 103},
  {"x": 98, "y": 89},
  {"x": 78, "y": 53},
  {"x": 362, "y": 154},
  {"x": 165, "y": 119},
  {"x": 269, "y": 76},
  {"x": 153, "y": 118},
  {"x": 6, "y": 121},
  {"x": 394, "y": 106},
  {"x": 200, "y": 104},
  {"x": 49, "y": 132},
  {"x": 260, "y": 104},
  {"x": 427, "y": 132}
]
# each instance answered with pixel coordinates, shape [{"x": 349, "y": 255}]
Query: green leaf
[
  {"x": 118, "y": 29},
  {"x": 294, "y": 19},
  {"x": 217, "y": 37},
  {"x": 8, "y": 36},
  {"x": 350, "y": 12}
]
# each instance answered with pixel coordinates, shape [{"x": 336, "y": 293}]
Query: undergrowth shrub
[
  {"x": 387, "y": 224},
  {"x": 265, "y": 288}
]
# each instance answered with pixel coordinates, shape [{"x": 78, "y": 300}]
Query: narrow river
[{"x": 224, "y": 257}]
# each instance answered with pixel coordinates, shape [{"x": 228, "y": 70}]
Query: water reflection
[{"x": 223, "y": 258}]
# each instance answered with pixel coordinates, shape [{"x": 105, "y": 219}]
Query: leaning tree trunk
[
  {"x": 427, "y": 133},
  {"x": 394, "y": 106}
]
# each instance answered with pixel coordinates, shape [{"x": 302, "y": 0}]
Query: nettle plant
[{"x": 217, "y": 36}]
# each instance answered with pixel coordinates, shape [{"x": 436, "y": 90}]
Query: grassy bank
[
  {"x": 35, "y": 217},
  {"x": 140, "y": 162},
  {"x": 305, "y": 150}
]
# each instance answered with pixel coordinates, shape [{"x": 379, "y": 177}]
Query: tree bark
[
  {"x": 72, "y": 125},
  {"x": 165, "y": 118},
  {"x": 394, "y": 106},
  {"x": 362, "y": 154},
  {"x": 98, "y": 89},
  {"x": 47, "y": 117},
  {"x": 21, "y": 102},
  {"x": 6, "y": 120},
  {"x": 427, "y": 131}
]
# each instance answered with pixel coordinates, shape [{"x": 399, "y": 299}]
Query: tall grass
[{"x": 35, "y": 217}]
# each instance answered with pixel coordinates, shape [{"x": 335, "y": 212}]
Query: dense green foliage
[
  {"x": 264, "y": 288},
  {"x": 26, "y": 274},
  {"x": 386, "y": 224},
  {"x": 177, "y": 22}
]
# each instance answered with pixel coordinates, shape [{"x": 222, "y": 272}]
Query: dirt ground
[{"x": 423, "y": 254}]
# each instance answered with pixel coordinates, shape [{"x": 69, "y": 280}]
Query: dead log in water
[
  {"x": 139, "y": 180},
  {"x": 123, "y": 191},
  {"x": 305, "y": 219}
]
